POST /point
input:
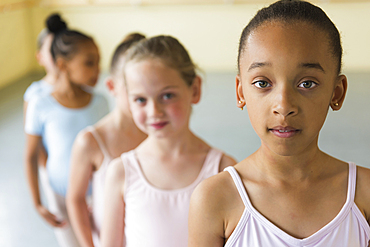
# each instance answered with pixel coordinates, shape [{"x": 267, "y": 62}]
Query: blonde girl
[
  {"x": 289, "y": 192},
  {"x": 95, "y": 147},
  {"x": 148, "y": 189}
]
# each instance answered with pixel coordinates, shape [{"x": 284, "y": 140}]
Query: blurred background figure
[
  {"x": 54, "y": 118},
  {"x": 95, "y": 147}
]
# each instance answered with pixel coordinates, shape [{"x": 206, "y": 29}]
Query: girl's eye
[
  {"x": 90, "y": 64},
  {"x": 308, "y": 84},
  {"x": 168, "y": 96},
  {"x": 261, "y": 84},
  {"x": 140, "y": 100}
]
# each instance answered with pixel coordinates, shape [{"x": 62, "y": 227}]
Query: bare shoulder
[
  {"x": 362, "y": 198},
  {"x": 212, "y": 207},
  {"x": 86, "y": 152},
  {"x": 116, "y": 170},
  {"x": 86, "y": 142},
  {"x": 215, "y": 194},
  {"x": 226, "y": 161}
]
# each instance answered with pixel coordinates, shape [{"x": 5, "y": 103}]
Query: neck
[
  {"x": 50, "y": 78},
  {"x": 174, "y": 145},
  {"x": 122, "y": 120},
  {"x": 66, "y": 87},
  {"x": 291, "y": 169}
]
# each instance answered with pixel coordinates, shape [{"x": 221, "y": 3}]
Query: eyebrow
[
  {"x": 163, "y": 89},
  {"x": 312, "y": 66},
  {"x": 302, "y": 65},
  {"x": 169, "y": 87},
  {"x": 258, "y": 65}
]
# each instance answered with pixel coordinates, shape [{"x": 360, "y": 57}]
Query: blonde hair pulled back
[{"x": 169, "y": 51}]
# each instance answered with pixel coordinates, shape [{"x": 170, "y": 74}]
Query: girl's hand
[{"x": 50, "y": 218}]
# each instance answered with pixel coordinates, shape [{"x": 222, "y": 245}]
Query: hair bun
[
  {"x": 55, "y": 23},
  {"x": 133, "y": 37}
]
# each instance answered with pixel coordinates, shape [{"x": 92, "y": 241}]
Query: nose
[
  {"x": 155, "y": 109},
  {"x": 285, "y": 101}
]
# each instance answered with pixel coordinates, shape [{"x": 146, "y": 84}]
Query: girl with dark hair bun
[
  {"x": 54, "y": 23},
  {"x": 288, "y": 193},
  {"x": 54, "y": 119},
  {"x": 44, "y": 58},
  {"x": 95, "y": 147}
]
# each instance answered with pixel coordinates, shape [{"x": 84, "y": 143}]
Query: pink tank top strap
[
  {"x": 239, "y": 185},
  {"x": 212, "y": 162},
  {"x": 352, "y": 171},
  {"x": 131, "y": 171},
  {"x": 100, "y": 142}
]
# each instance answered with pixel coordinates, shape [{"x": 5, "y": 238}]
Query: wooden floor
[{"x": 216, "y": 119}]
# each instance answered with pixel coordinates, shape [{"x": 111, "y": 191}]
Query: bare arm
[
  {"x": 206, "y": 224},
  {"x": 112, "y": 233},
  {"x": 32, "y": 147},
  {"x": 82, "y": 163}
]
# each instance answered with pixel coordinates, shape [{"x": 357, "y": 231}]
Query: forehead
[
  {"x": 281, "y": 42},
  {"x": 87, "y": 49},
  {"x": 151, "y": 75}
]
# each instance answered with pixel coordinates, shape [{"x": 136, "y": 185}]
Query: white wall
[{"x": 211, "y": 32}]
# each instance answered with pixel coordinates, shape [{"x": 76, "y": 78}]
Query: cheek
[
  {"x": 179, "y": 110},
  {"x": 257, "y": 117},
  {"x": 316, "y": 115},
  {"x": 138, "y": 115},
  {"x": 258, "y": 109}
]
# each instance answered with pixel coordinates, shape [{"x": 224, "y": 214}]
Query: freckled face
[
  {"x": 287, "y": 78},
  {"x": 83, "y": 68},
  {"x": 159, "y": 99}
]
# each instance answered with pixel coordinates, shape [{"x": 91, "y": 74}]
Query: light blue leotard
[
  {"x": 58, "y": 126},
  {"x": 37, "y": 88}
]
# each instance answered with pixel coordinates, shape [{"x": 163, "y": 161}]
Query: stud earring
[
  {"x": 242, "y": 106},
  {"x": 336, "y": 104}
]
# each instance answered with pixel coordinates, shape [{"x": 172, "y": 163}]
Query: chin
[{"x": 284, "y": 150}]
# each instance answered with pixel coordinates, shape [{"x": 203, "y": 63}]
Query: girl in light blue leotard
[{"x": 54, "y": 119}]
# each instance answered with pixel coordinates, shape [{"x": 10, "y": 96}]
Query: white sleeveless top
[
  {"x": 98, "y": 181},
  {"x": 348, "y": 229},
  {"x": 156, "y": 217}
]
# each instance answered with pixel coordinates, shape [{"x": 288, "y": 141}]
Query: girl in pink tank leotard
[
  {"x": 148, "y": 189},
  {"x": 95, "y": 147},
  {"x": 288, "y": 193}
]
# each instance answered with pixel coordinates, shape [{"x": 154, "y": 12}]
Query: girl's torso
[
  {"x": 347, "y": 228},
  {"x": 112, "y": 138},
  {"x": 59, "y": 126},
  {"x": 157, "y": 217}
]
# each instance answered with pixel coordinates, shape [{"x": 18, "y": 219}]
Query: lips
[
  {"x": 159, "y": 125},
  {"x": 284, "y": 132}
]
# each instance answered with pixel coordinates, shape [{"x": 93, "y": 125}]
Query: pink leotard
[
  {"x": 98, "y": 180},
  {"x": 156, "y": 217}
]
